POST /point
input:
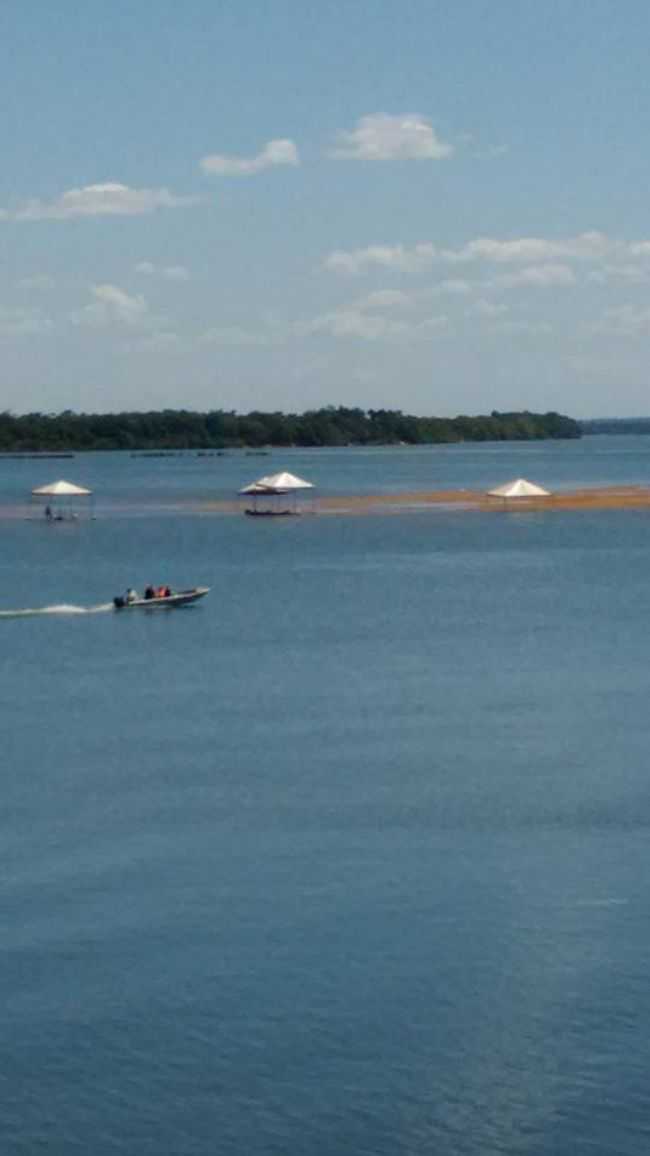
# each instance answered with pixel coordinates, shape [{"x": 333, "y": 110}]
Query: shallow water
[
  {"x": 351, "y": 857},
  {"x": 126, "y": 484}
]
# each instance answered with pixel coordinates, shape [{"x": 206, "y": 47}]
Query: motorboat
[{"x": 176, "y": 598}]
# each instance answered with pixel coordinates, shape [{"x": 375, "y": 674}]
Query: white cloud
[
  {"x": 355, "y": 322},
  {"x": 588, "y": 247},
  {"x": 350, "y": 322},
  {"x": 585, "y": 246},
  {"x": 513, "y": 328},
  {"x": 430, "y": 326},
  {"x": 493, "y": 151},
  {"x": 275, "y": 152},
  {"x": 625, "y": 321},
  {"x": 161, "y": 341},
  {"x": 635, "y": 274},
  {"x": 175, "y": 273},
  {"x": 536, "y": 276},
  {"x": 167, "y": 272},
  {"x": 377, "y": 315},
  {"x": 106, "y": 200},
  {"x": 23, "y": 323},
  {"x": 40, "y": 281},
  {"x": 483, "y": 308},
  {"x": 386, "y": 138},
  {"x": 453, "y": 285},
  {"x": 384, "y": 299},
  {"x": 397, "y": 257},
  {"x": 235, "y": 335},
  {"x": 113, "y": 306}
]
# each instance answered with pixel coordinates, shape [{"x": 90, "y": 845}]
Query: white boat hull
[{"x": 178, "y": 598}]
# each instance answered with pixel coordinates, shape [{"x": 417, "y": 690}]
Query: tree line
[{"x": 221, "y": 429}]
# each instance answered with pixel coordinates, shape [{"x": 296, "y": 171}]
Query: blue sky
[{"x": 434, "y": 206}]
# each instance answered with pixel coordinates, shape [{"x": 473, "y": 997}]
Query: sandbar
[
  {"x": 591, "y": 498},
  {"x": 629, "y": 497}
]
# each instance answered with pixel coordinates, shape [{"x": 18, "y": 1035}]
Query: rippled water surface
[{"x": 353, "y": 856}]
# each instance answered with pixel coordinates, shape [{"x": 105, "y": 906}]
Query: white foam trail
[{"x": 57, "y": 608}]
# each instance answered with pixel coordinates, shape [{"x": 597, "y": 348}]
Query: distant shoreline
[{"x": 163, "y": 431}]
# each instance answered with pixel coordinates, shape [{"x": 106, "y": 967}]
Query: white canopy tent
[
  {"x": 272, "y": 486},
  {"x": 519, "y": 488},
  {"x": 61, "y": 488},
  {"x": 282, "y": 483},
  {"x": 62, "y": 499}
]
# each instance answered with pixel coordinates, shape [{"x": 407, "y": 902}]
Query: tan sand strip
[
  {"x": 601, "y": 498},
  {"x": 595, "y": 498}
]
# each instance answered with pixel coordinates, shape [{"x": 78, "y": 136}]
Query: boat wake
[{"x": 57, "y": 608}]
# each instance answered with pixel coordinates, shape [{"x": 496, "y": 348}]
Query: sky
[{"x": 439, "y": 206}]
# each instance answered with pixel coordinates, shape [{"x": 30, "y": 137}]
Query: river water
[{"x": 351, "y": 857}]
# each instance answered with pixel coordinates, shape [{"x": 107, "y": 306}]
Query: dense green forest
[{"x": 331, "y": 426}]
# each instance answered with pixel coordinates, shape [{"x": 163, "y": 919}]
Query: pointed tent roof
[
  {"x": 281, "y": 483},
  {"x": 519, "y": 488},
  {"x": 61, "y": 489}
]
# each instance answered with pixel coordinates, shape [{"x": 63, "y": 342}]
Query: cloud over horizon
[
  {"x": 398, "y": 257},
  {"x": 538, "y": 276},
  {"x": 274, "y": 153},
  {"x": 103, "y": 200},
  {"x": 38, "y": 281},
  {"x": 110, "y": 306},
  {"x": 584, "y": 247},
  {"x": 23, "y": 323},
  {"x": 380, "y": 137}
]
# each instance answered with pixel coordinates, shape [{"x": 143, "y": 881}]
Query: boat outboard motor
[{"x": 119, "y": 602}]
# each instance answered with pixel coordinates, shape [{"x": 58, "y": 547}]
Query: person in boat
[
  {"x": 163, "y": 592},
  {"x": 131, "y": 595},
  {"x": 149, "y": 592}
]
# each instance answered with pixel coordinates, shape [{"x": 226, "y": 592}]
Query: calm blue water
[
  {"x": 350, "y": 858},
  {"x": 127, "y": 484}
]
